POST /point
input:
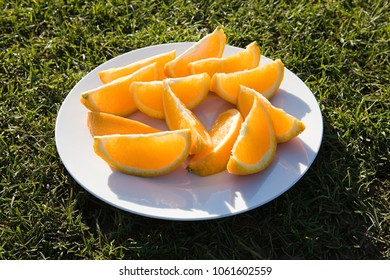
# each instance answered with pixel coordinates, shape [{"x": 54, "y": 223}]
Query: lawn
[{"x": 338, "y": 210}]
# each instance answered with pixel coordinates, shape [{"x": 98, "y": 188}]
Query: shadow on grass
[{"x": 319, "y": 218}]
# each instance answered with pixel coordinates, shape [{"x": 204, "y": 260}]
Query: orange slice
[
  {"x": 285, "y": 126},
  {"x": 177, "y": 116},
  {"x": 246, "y": 59},
  {"x": 191, "y": 90},
  {"x": 265, "y": 79},
  {"x": 256, "y": 144},
  {"x": 114, "y": 97},
  {"x": 146, "y": 155},
  {"x": 105, "y": 124},
  {"x": 111, "y": 74},
  {"x": 223, "y": 134},
  {"x": 211, "y": 45}
]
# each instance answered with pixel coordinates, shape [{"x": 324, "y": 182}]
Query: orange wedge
[
  {"x": 246, "y": 59},
  {"x": 285, "y": 126},
  {"x": 177, "y": 116},
  {"x": 223, "y": 135},
  {"x": 256, "y": 144},
  {"x": 211, "y": 45},
  {"x": 105, "y": 124},
  {"x": 265, "y": 79},
  {"x": 146, "y": 155},
  {"x": 111, "y": 74},
  {"x": 191, "y": 90},
  {"x": 114, "y": 97}
]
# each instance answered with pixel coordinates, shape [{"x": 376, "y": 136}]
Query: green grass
[{"x": 338, "y": 210}]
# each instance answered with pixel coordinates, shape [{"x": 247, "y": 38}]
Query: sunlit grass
[{"x": 340, "y": 208}]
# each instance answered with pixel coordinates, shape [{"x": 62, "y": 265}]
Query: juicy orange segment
[
  {"x": 223, "y": 134},
  {"x": 285, "y": 126},
  {"x": 146, "y": 155},
  {"x": 111, "y": 74},
  {"x": 191, "y": 90},
  {"x": 105, "y": 124},
  {"x": 177, "y": 116},
  {"x": 211, "y": 45},
  {"x": 114, "y": 97},
  {"x": 147, "y": 97},
  {"x": 246, "y": 59},
  {"x": 256, "y": 144},
  {"x": 265, "y": 79}
]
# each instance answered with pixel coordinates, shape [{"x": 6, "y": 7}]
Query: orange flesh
[
  {"x": 115, "y": 98},
  {"x": 151, "y": 94},
  {"x": 246, "y": 59},
  {"x": 200, "y": 52},
  {"x": 223, "y": 135},
  {"x": 211, "y": 66},
  {"x": 219, "y": 132},
  {"x": 191, "y": 90},
  {"x": 265, "y": 79},
  {"x": 108, "y": 104},
  {"x": 243, "y": 60},
  {"x": 145, "y": 153},
  {"x": 282, "y": 122},
  {"x": 221, "y": 128},
  {"x": 257, "y": 141},
  {"x": 212, "y": 45},
  {"x": 111, "y": 74},
  {"x": 252, "y": 80},
  {"x": 185, "y": 90},
  {"x": 106, "y": 124},
  {"x": 177, "y": 116}
]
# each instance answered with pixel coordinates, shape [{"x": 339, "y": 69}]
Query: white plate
[{"x": 181, "y": 195}]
